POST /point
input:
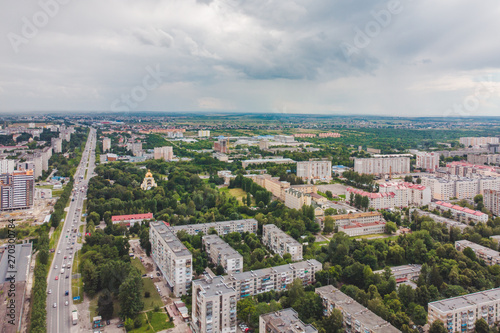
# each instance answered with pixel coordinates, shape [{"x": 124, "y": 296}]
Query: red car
[
  {"x": 65, "y": 257},
  {"x": 57, "y": 277}
]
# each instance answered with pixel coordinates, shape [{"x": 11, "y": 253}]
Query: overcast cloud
[{"x": 396, "y": 57}]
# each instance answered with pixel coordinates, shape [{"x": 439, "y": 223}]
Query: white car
[
  {"x": 55, "y": 305},
  {"x": 55, "y": 267},
  {"x": 66, "y": 303},
  {"x": 50, "y": 291},
  {"x": 59, "y": 252}
]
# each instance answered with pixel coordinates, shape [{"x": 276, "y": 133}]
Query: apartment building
[
  {"x": 56, "y": 144},
  {"x": 222, "y": 145},
  {"x": 296, "y": 199},
  {"x": 246, "y": 163},
  {"x": 135, "y": 148},
  {"x": 477, "y": 159},
  {"x": 360, "y": 229},
  {"x": 284, "y": 321},
  {"x": 441, "y": 189},
  {"x": 381, "y": 200},
  {"x": 106, "y": 144},
  {"x": 356, "y": 318},
  {"x": 464, "y": 169},
  {"x": 220, "y": 253},
  {"x": 489, "y": 256},
  {"x": 383, "y": 164},
  {"x": 280, "y": 242},
  {"x": 213, "y": 306},
  {"x": 462, "y": 214},
  {"x": 315, "y": 170},
  {"x": 166, "y": 153},
  {"x": 460, "y": 187},
  {"x": 171, "y": 257},
  {"x": 404, "y": 273},
  {"x": 491, "y": 200},
  {"x": 478, "y": 141},
  {"x": 7, "y": 165},
  {"x": 330, "y": 135},
  {"x": 272, "y": 278},
  {"x": 222, "y": 228},
  {"x": 272, "y": 184},
  {"x": 204, "y": 133},
  {"x": 427, "y": 161},
  {"x": 459, "y": 314},
  {"x": 17, "y": 190},
  {"x": 407, "y": 194}
]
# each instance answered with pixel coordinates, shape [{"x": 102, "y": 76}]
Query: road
[{"x": 59, "y": 317}]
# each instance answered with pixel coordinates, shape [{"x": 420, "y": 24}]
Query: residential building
[
  {"x": 246, "y": 163},
  {"x": 459, "y": 314},
  {"x": 17, "y": 190},
  {"x": 280, "y": 242},
  {"x": 213, "y": 306},
  {"x": 477, "y": 159},
  {"x": 222, "y": 145},
  {"x": 148, "y": 182},
  {"x": 221, "y": 157},
  {"x": 222, "y": 254},
  {"x": 491, "y": 200},
  {"x": 166, "y": 153},
  {"x": 462, "y": 214},
  {"x": 272, "y": 184},
  {"x": 427, "y": 161},
  {"x": 315, "y": 170},
  {"x": 284, "y": 138},
  {"x": 46, "y": 155},
  {"x": 135, "y": 148},
  {"x": 404, "y": 273},
  {"x": 383, "y": 164},
  {"x": 7, "y": 165},
  {"x": 106, "y": 144},
  {"x": 329, "y": 135},
  {"x": 441, "y": 189},
  {"x": 348, "y": 219},
  {"x": 489, "y": 256},
  {"x": 56, "y": 144},
  {"x": 222, "y": 228},
  {"x": 356, "y": 318},
  {"x": 171, "y": 257},
  {"x": 360, "y": 229},
  {"x": 477, "y": 141},
  {"x": 284, "y": 321},
  {"x": 464, "y": 169},
  {"x": 130, "y": 220},
  {"x": 407, "y": 194},
  {"x": 296, "y": 199},
  {"x": 204, "y": 133},
  {"x": 273, "y": 278}
]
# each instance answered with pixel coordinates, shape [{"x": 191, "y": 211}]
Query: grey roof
[
  {"x": 459, "y": 302},
  {"x": 284, "y": 237},
  {"x": 171, "y": 239},
  {"x": 213, "y": 286},
  {"x": 223, "y": 248},
  {"x": 287, "y": 321},
  {"x": 20, "y": 267},
  {"x": 272, "y": 270},
  {"x": 403, "y": 269}
]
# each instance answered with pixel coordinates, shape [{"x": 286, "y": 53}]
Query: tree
[
  {"x": 390, "y": 227},
  {"x": 129, "y": 324},
  {"x": 437, "y": 327},
  {"x": 419, "y": 315},
  {"x": 329, "y": 194},
  {"x": 249, "y": 199},
  {"x": 130, "y": 295},
  {"x": 105, "y": 305},
  {"x": 328, "y": 225},
  {"x": 468, "y": 252},
  {"x": 333, "y": 323},
  {"x": 244, "y": 308},
  {"x": 482, "y": 326},
  {"x": 44, "y": 256}
]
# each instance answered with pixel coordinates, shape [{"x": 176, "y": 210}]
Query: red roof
[{"x": 146, "y": 216}]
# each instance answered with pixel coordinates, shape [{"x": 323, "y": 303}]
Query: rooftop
[
  {"x": 302, "y": 265},
  {"x": 465, "y": 301},
  {"x": 168, "y": 235},
  {"x": 213, "y": 286},
  {"x": 21, "y": 262},
  {"x": 286, "y": 321}
]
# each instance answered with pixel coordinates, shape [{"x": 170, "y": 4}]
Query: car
[
  {"x": 57, "y": 277},
  {"x": 66, "y": 293},
  {"x": 67, "y": 276},
  {"x": 119, "y": 325},
  {"x": 66, "y": 303},
  {"x": 108, "y": 322},
  {"x": 55, "y": 305},
  {"x": 59, "y": 252},
  {"x": 55, "y": 267},
  {"x": 70, "y": 257},
  {"x": 68, "y": 265},
  {"x": 50, "y": 291},
  {"x": 65, "y": 257}
]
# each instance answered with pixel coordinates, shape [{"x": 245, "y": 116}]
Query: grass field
[
  {"x": 238, "y": 193},
  {"x": 155, "y": 298},
  {"x": 153, "y": 322}
]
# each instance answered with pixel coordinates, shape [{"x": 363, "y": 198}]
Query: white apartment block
[
  {"x": 404, "y": 273},
  {"x": 459, "y": 187},
  {"x": 459, "y": 314},
  {"x": 203, "y": 133},
  {"x": 464, "y": 169},
  {"x": 427, "y": 161},
  {"x": 347, "y": 219},
  {"x": 477, "y": 141},
  {"x": 407, "y": 193},
  {"x": 272, "y": 184},
  {"x": 46, "y": 155},
  {"x": 56, "y": 144},
  {"x": 166, "y": 153},
  {"x": 135, "y": 148},
  {"x": 213, "y": 306},
  {"x": 172, "y": 258},
  {"x": 315, "y": 170},
  {"x": 221, "y": 253},
  {"x": 273, "y": 278},
  {"x": 462, "y": 214},
  {"x": 491, "y": 200},
  {"x": 356, "y": 318},
  {"x": 106, "y": 144},
  {"x": 7, "y": 166},
  {"x": 383, "y": 164},
  {"x": 295, "y": 199},
  {"x": 279, "y": 242},
  {"x": 222, "y": 228},
  {"x": 489, "y": 256},
  {"x": 286, "y": 320},
  {"x": 360, "y": 229}
]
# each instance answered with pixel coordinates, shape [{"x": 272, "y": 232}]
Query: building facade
[
  {"x": 360, "y": 229},
  {"x": 220, "y": 253},
  {"x": 489, "y": 256},
  {"x": 17, "y": 190},
  {"x": 462, "y": 214},
  {"x": 106, "y": 144},
  {"x": 491, "y": 200},
  {"x": 284, "y": 321},
  {"x": 295, "y": 199},
  {"x": 130, "y": 220},
  {"x": 166, "y": 153},
  {"x": 315, "y": 170},
  {"x": 383, "y": 164},
  {"x": 477, "y": 141},
  {"x": 7, "y": 166},
  {"x": 427, "y": 161},
  {"x": 222, "y": 228},
  {"x": 281, "y": 243}
]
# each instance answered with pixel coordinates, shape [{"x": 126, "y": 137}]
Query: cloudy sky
[{"x": 396, "y": 57}]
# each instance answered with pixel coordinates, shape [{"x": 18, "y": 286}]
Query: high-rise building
[
  {"x": 315, "y": 170},
  {"x": 478, "y": 141},
  {"x": 172, "y": 258},
  {"x": 295, "y": 199},
  {"x": 7, "y": 166},
  {"x": 166, "y": 153},
  {"x": 281, "y": 243},
  {"x": 213, "y": 306},
  {"x": 106, "y": 144},
  {"x": 56, "y": 145},
  {"x": 491, "y": 200},
  {"x": 220, "y": 253},
  {"x": 383, "y": 164},
  {"x": 427, "y": 161},
  {"x": 284, "y": 321},
  {"x": 221, "y": 145},
  {"x": 17, "y": 190}
]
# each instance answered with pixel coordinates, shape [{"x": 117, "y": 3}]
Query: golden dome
[{"x": 149, "y": 174}]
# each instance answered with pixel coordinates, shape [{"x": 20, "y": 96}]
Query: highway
[{"x": 59, "y": 317}]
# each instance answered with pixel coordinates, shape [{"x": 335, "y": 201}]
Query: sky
[{"x": 396, "y": 58}]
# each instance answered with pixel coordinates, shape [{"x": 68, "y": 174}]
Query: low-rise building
[
  {"x": 348, "y": 219},
  {"x": 130, "y": 220},
  {"x": 459, "y": 314},
  {"x": 459, "y": 213},
  {"x": 490, "y": 257},
  {"x": 246, "y": 163},
  {"x": 404, "y": 273},
  {"x": 171, "y": 257},
  {"x": 356, "y": 318},
  {"x": 284, "y": 321},
  {"x": 220, "y": 253},
  {"x": 279, "y": 242},
  {"x": 361, "y": 229},
  {"x": 222, "y": 228}
]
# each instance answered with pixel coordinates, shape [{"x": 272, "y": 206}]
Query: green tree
[
  {"x": 482, "y": 326},
  {"x": 333, "y": 323},
  {"x": 43, "y": 256},
  {"x": 419, "y": 315},
  {"x": 437, "y": 327},
  {"x": 390, "y": 227},
  {"x": 129, "y": 324},
  {"x": 105, "y": 305},
  {"x": 244, "y": 308},
  {"x": 468, "y": 252},
  {"x": 329, "y": 224},
  {"x": 130, "y": 295}
]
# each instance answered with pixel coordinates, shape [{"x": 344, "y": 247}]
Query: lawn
[
  {"x": 57, "y": 193},
  {"x": 155, "y": 298},
  {"x": 238, "y": 193},
  {"x": 153, "y": 322},
  {"x": 75, "y": 283}
]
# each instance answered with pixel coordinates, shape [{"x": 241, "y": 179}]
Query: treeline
[
  {"x": 58, "y": 213},
  {"x": 359, "y": 201},
  {"x": 38, "y": 315},
  {"x": 261, "y": 195},
  {"x": 357, "y": 180}
]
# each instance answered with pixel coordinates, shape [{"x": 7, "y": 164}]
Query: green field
[
  {"x": 155, "y": 298},
  {"x": 153, "y": 322},
  {"x": 238, "y": 193}
]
